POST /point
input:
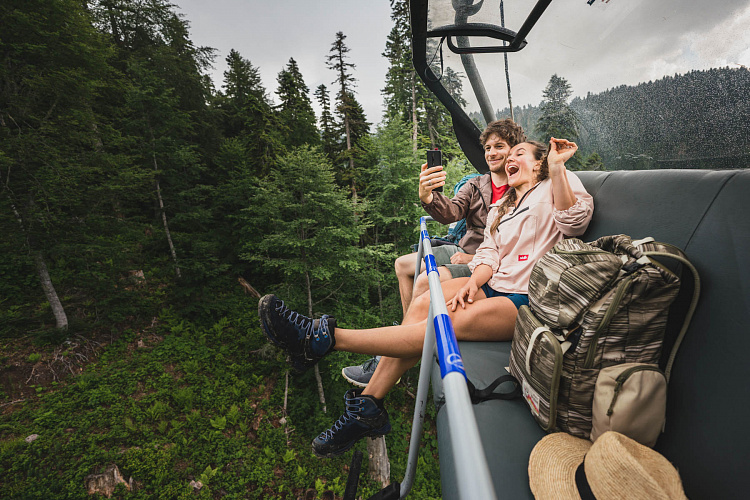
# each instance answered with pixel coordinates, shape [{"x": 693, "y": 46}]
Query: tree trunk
[
  {"x": 172, "y": 250},
  {"x": 379, "y": 468},
  {"x": 414, "y": 127},
  {"x": 61, "y": 319},
  {"x": 380, "y": 285},
  {"x": 318, "y": 379},
  {"x": 349, "y": 151},
  {"x": 431, "y": 130}
]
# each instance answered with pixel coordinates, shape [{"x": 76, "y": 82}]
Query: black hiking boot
[
  {"x": 304, "y": 339},
  {"x": 364, "y": 416}
]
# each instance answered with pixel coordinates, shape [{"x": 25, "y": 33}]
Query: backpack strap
[
  {"x": 479, "y": 395},
  {"x": 670, "y": 251}
]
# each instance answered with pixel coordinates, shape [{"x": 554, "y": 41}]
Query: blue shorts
[{"x": 518, "y": 299}]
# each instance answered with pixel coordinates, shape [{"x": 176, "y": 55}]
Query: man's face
[{"x": 496, "y": 153}]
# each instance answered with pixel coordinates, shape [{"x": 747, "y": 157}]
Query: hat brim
[{"x": 552, "y": 466}]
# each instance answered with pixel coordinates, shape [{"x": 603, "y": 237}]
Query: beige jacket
[{"x": 528, "y": 232}]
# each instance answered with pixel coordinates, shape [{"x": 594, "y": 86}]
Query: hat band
[{"x": 584, "y": 490}]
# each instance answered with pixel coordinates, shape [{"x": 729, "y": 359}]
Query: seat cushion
[{"x": 508, "y": 430}]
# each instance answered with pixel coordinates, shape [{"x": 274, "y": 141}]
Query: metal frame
[
  {"x": 473, "y": 474},
  {"x": 466, "y": 130}
]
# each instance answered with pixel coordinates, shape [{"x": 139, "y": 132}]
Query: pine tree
[
  {"x": 398, "y": 80},
  {"x": 337, "y": 61},
  {"x": 557, "y": 118},
  {"x": 248, "y": 113},
  {"x": 329, "y": 132},
  {"x": 407, "y": 97},
  {"x": 302, "y": 225},
  {"x": 295, "y": 111}
]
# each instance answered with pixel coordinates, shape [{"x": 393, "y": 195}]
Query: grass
[{"x": 183, "y": 403}]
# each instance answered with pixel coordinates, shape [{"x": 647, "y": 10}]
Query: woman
[{"x": 545, "y": 204}]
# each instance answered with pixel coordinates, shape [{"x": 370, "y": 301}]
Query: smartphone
[{"x": 435, "y": 158}]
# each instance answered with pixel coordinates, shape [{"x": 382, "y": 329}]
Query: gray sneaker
[{"x": 360, "y": 375}]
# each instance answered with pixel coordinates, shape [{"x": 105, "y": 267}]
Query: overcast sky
[{"x": 593, "y": 47}]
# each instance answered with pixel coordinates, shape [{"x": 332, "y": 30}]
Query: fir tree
[
  {"x": 338, "y": 62},
  {"x": 557, "y": 118},
  {"x": 248, "y": 114},
  {"x": 329, "y": 131},
  {"x": 302, "y": 225},
  {"x": 295, "y": 111}
]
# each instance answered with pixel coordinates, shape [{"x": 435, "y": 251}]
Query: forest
[
  {"x": 144, "y": 209},
  {"x": 655, "y": 124}
]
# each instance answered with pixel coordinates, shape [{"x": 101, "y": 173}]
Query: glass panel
[{"x": 653, "y": 84}]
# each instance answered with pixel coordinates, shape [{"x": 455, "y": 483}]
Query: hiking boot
[
  {"x": 360, "y": 375},
  {"x": 305, "y": 340},
  {"x": 364, "y": 416}
]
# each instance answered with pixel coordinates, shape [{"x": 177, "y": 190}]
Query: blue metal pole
[{"x": 470, "y": 463}]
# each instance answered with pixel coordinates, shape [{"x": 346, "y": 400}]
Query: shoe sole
[
  {"x": 357, "y": 383},
  {"x": 372, "y": 434},
  {"x": 264, "y": 305},
  {"x": 351, "y": 380}
]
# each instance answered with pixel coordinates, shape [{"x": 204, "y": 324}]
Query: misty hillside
[{"x": 653, "y": 125}]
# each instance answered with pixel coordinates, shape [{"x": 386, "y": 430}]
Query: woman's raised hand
[{"x": 560, "y": 151}]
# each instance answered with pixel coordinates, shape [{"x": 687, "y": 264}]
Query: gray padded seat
[{"x": 706, "y": 214}]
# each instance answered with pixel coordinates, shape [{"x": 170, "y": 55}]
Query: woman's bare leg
[{"x": 401, "y": 346}]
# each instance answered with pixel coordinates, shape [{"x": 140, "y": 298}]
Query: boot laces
[
  {"x": 303, "y": 323},
  {"x": 353, "y": 406}
]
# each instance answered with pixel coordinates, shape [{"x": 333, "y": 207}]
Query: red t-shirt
[{"x": 498, "y": 192}]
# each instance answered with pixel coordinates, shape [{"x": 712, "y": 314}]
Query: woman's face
[{"x": 522, "y": 167}]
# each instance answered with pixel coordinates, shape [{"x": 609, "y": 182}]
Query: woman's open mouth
[{"x": 511, "y": 169}]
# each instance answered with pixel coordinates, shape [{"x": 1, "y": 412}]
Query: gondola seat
[{"x": 705, "y": 213}]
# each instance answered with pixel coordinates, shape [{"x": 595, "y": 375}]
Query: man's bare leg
[
  {"x": 405, "y": 266},
  {"x": 423, "y": 283}
]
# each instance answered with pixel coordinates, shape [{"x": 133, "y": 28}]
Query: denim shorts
[{"x": 518, "y": 299}]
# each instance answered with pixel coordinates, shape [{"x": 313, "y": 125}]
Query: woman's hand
[
  {"x": 464, "y": 296},
  {"x": 429, "y": 179},
  {"x": 560, "y": 151}
]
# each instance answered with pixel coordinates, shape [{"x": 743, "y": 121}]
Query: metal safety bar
[{"x": 470, "y": 464}]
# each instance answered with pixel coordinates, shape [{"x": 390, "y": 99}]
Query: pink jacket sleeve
[{"x": 574, "y": 220}]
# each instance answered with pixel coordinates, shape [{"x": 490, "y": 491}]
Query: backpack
[{"x": 598, "y": 307}]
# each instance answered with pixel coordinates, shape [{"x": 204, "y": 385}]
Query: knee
[
  {"x": 422, "y": 285},
  {"x": 421, "y": 297},
  {"x": 405, "y": 265}
]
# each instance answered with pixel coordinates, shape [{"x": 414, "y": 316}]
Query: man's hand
[
  {"x": 461, "y": 258},
  {"x": 429, "y": 179}
]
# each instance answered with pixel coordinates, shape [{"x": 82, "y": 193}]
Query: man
[{"x": 472, "y": 203}]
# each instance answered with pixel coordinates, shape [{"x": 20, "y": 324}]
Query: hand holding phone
[{"x": 435, "y": 158}]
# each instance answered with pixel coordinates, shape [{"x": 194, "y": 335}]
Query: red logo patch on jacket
[{"x": 522, "y": 258}]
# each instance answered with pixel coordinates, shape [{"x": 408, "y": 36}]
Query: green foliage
[
  {"x": 120, "y": 164},
  {"x": 120, "y": 411}
]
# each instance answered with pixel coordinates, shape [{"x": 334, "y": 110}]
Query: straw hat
[{"x": 563, "y": 467}]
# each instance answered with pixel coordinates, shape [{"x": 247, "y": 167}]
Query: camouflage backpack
[{"x": 592, "y": 306}]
